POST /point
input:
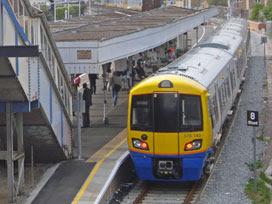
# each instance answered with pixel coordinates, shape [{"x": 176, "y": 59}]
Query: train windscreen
[
  {"x": 166, "y": 112},
  {"x": 141, "y": 112},
  {"x": 190, "y": 113}
]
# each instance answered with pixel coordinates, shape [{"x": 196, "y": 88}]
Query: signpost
[
  {"x": 263, "y": 41},
  {"x": 253, "y": 120}
]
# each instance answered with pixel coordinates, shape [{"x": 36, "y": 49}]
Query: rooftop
[{"x": 106, "y": 23}]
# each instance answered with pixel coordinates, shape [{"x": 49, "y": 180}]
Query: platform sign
[
  {"x": 263, "y": 40},
  {"x": 252, "y": 118}
]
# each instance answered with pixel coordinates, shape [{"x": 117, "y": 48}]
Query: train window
[
  {"x": 227, "y": 87},
  {"x": 232, "y": 79},
  {"x": 215, "y": 108},
  {"x": 141, "y": 112},
  {"x": 190, "y": 113},
  {"x": 220, "y": 99},
  {"x": 165, "y": 112},
  {"x": 211, "y": 110}
]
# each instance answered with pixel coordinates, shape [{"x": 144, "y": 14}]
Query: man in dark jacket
[
  {"x": 87, "y": 96},
  {"x": 92, "y": 79}
]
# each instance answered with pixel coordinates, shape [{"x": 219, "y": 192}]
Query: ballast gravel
[{"x": 230, "y": 176}]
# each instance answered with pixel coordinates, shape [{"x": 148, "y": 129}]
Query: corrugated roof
[{"x": 109, "y": 22}]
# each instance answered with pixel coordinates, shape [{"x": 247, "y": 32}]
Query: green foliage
[
  {"x": 218, "y": 2},
  {"x": 262, "y": 195},
  {"x": 259, "y": 164},
  {"x": 255, "y": 12},
  {"x": 265, "y": 178},
  {"x": 60, "y": 13},
  {"x": 46, "y": 12},
  {"x": 73, "y": 11},
  {"x": 262, "y": 138},
  {"x": 267, "y": 11}
]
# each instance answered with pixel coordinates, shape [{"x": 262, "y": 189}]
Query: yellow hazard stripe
[{"x": 93, "y": 172}]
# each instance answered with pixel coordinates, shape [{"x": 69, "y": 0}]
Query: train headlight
[
  {"x": 195, "y": 144},
  {"x": 138, "y": 144}
]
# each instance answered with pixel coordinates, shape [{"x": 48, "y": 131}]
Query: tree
[
  {"x": 267, "y": 11},
  {"x": 255, "y": 12}
]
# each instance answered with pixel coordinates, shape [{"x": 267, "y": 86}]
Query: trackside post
[{"x": 253, "y": 120}]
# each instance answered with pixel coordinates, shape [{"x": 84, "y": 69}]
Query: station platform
[{"x": 103, "y": 147}]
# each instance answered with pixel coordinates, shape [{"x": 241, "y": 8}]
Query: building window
[
  {"x": 239, "y": 1},
  {"x": 257, "y": 1}
]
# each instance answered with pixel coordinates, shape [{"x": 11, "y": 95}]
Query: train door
[{"x": 165, "y": 116}]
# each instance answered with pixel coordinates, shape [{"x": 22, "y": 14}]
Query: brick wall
[
  {"x": 195, "y": 3},
  {"x": 243, "y": 4},
  {"x": 256, "y": 25}
]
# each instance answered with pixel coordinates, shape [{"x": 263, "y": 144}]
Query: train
[{"x": 175, "y": 116}]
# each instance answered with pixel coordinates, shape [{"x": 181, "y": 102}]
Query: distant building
[
  {"x": 145, "y": 5},
  {"x": 246, "y": 4}
]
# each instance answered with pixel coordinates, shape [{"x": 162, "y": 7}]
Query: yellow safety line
[{"x": 93, "y": 172}]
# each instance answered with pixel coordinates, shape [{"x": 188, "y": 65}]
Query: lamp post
[
  {"x": 90, "y": 9},
  {"x": 55, "y": 16},
  {"x": 264, "y": 41},
  {"x": 105, "y": 67},
  {"x": 68, "y": 10},
  {"x": 79, "y": 8}
]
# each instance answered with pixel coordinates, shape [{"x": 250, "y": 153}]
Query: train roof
[
  {"x": 152, "y": 84},
  {"x": 204, "y": 62}
]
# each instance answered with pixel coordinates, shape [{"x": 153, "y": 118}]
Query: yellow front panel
[
  {"x": 205, "y": 135},
  {"x": 166, "y": 143}
]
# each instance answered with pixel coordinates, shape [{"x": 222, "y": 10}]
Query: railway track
[
  {"x": 144, "y": 192},
  {"x": 162, "y": 193}
]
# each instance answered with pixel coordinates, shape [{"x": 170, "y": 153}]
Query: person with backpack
[
  {"x": 116, "y": 85},
  {"x": 87, "y": 97}
]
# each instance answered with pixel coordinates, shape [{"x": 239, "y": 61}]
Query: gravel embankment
[{"x": 231, "y": 174}]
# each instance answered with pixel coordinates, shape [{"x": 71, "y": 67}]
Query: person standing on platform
[
  {"x": 116, "y": 85},
  {"x": 92, "y": 79},
  {"x": 76, "y": 81},
  {"x": 133, "y": 72},
  {"x": 127, "y": 75},
  {"x": 87, "y": 97}
]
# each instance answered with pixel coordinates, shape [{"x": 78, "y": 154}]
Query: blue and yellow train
[{"x": 176, "y": 115}]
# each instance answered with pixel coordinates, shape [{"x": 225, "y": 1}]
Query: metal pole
[
  {"x": 254, "y": 158},
  {"x": 32, "y": 167},
  {"x": 10, "y": 168},
  {"x": 90, "y": 10},
  {"x": 104, "y": 66},
  {"x": 78, "y": 124},
  {"x": 264, "y": 53},
  {"x": 55, "y": 15},
  {"x": 186, "y": 42},
  {"x": 79, "y": 8},
  {"x": 20, "y": 148},
  {"x": 68, "y": 15},
  {"x": 196, "y": 35}
]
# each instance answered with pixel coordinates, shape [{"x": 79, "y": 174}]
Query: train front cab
[{"x": 169, "y": 134}]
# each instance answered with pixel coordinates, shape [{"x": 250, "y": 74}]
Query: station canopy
[{"x": 111, "y": 33}]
